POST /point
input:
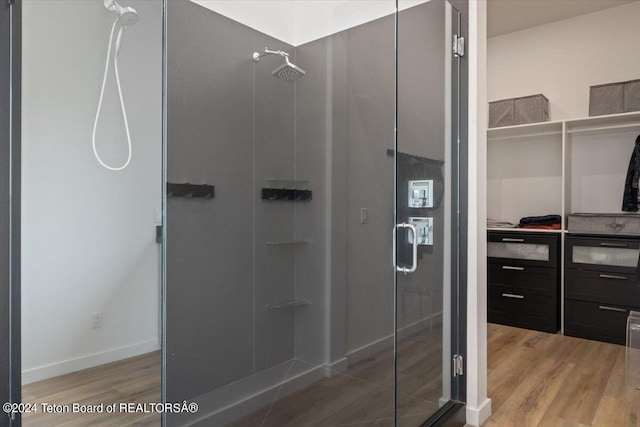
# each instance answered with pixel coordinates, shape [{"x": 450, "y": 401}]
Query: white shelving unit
[
  {"x": 597, "y": 152},
  {"x": 560, "y": 167},
  {"x": 524, "y": 166}
]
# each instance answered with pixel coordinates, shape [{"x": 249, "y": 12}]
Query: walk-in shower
[
  {"x": 126, "y": 17},
  {"x": 284, "y": 299},
  {"x": 289, "y": 72}
]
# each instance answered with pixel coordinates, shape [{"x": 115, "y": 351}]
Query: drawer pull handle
[
  {"x": 612, "y": 276},
  {"x": 510, "y": 267},
  {"x": 511, "y": 239},
  {"x": 619, "y": 310},
  {"x": 614, "y": 245},
  {"x": 513, "y": 296}
]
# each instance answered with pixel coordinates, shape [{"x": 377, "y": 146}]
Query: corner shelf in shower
[
  {"x": 289, "y": 304},
  {"x": 289, "y": 242},
  {"x": 186, "y": 190},
  {"x": 286, "y": 194}
]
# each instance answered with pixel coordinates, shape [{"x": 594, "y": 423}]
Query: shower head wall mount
[{"x": 257, "y": 56}]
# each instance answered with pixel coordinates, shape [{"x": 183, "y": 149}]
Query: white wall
[
  {"x": 562, "y": 59},
  {"x": 88, "y": 233},
  {"x": 478, "y": 404},
  {"x": 299, "y": 22}
]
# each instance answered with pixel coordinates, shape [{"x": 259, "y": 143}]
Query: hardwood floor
[
  {"x": 547, "y": 380},
  {"x": 131, "y": 380},
  {"x": 535, "y": 380},
  {"x": 364, "y": 395}
]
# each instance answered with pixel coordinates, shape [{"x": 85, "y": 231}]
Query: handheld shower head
[{"x": 127, "y": 16}]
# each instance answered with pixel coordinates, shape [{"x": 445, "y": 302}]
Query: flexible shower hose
[{"x": 124, "y": 112}]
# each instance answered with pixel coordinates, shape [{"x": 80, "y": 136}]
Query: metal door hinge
[
  {"x": 458, "y": 365},
  {"x": 458, "y": 46}
]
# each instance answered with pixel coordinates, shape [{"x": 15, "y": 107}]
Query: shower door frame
[
  {"x": 451, "y": 413},
  {"x": 10, "y": 105},
  {"x": 459, "y": 249}
]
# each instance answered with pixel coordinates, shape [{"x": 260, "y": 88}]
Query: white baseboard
[
  {"x": 477, "y": 416},
  {"x": 87, "y": 361}
]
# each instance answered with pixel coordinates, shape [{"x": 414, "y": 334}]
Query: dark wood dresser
[
  {"x": 524, "y": 279},
  {"x": 601, "y": 286}
]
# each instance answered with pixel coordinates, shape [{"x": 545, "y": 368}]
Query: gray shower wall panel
[
  {"x": 370, "y": 88},
  {"x": 320, "y": 148},
  {"x": 274, "y": 156},
  {"x": 210, "y": 243},
  {"x": 345, "y": 109}
]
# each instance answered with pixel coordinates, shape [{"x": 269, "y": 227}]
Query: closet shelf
[
  {"x": 599, "y": 123},
  {"x": 596, "y": 124},
  {"x": 525, "y": 131},
  {"x": 523, "y": 230},
  {"x": 288, "y": 304}
]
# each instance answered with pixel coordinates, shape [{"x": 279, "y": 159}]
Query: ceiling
[{"x": 506, "y": 16}]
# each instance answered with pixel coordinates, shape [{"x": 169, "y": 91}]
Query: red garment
[{"x": 556, "y": 226}]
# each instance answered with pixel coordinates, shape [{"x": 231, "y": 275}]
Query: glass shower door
[
  {"x": 426, "y": 211},
  {"x": 279, "y": 281},
  {"x": 283, "y": 306}
]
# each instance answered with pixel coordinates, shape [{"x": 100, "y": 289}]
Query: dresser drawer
[
  {"x": 597, "y": 321},
  {"x": 535, "y": 280},
  {"x": 517, "y": 307},
  {"x": 603, "y": 287},
  {"x": 617, "y": 255},
  {"x": 532, "y": 249}
]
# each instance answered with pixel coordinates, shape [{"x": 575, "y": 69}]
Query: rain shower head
[
  {"x": 288, "y": 71},
  {"x": 127, "y": 16}
]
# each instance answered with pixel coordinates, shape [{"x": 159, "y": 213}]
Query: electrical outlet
[{"x": 96, "y": 320}]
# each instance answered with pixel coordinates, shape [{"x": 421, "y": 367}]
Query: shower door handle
[{"x": 414, "y": 265}]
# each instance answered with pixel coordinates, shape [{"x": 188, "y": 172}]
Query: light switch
[
  {"x": 364, "y": 215},
  {"x": 421, "y": 194}
]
